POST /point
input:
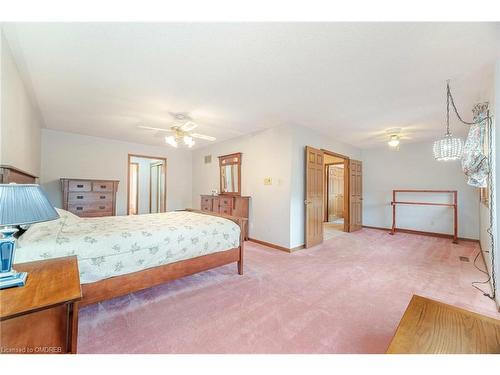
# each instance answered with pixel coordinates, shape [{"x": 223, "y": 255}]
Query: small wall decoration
[{"x": 475, "y": 163}]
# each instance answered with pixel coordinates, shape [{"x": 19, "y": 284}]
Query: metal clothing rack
[{"x": 454, "y": 205}]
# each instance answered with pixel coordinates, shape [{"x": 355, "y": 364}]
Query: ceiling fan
[{"x": 181, "y": 131}]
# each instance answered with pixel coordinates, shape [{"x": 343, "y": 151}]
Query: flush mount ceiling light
[
  {"x": 394, "y": 137},
  {"x": 448, "y": 147},
  {"x": 393, "y": 140}
]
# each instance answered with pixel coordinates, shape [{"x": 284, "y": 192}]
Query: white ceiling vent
[{"x": 208, "y": 159}]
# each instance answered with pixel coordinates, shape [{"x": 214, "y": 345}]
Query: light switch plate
[{"x": 268, "y": 181}]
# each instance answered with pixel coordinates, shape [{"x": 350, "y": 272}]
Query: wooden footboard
[
  {"x": 124, "y": 284},
  {"x": 240, "y": 221},
  {"x": 132, "y": 282}
]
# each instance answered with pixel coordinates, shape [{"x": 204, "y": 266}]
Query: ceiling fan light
[
  {"x": 448, "y": 148},
  {"x": 394, "y": 141},
  {"x": 188, "y": 141},
  {"x": 171, "y": 141}
]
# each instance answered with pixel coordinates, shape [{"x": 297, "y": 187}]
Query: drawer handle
[
  {"x": 79, "y": 208},
  {"x": 103, "y": 186},
  {"x": 79, "y": 186},
  {"x": 102, "y": 197},
  {"x": 102, "y": 207},
  {"x": 79, "y": 197}
]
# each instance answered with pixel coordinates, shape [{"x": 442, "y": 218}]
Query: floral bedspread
[{"x": 111, "y": 246}]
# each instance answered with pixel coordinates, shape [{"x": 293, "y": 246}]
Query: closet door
[
  {"x": 314, "y": 197},
  {"x": 337, "y": 194},
  {"x": 355, "y": 196}
]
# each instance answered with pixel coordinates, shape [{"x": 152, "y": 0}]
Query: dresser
[
  {"x": 227, "y": 205},
  {"x": 89, "y": 198},
  {"x": 10, "y": 174}
]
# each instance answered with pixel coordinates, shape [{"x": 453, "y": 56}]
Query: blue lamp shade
[{"x": 24, "y": 204}]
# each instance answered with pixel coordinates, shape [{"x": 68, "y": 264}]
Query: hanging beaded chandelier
[{"x": 448, "y": 147}]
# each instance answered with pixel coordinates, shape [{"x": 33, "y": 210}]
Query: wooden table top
[
  {"x": 50, "y": 282},
  {"x": 432, "y": 327}
]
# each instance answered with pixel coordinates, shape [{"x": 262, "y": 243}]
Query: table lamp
[{"x": 20, "y": 204}]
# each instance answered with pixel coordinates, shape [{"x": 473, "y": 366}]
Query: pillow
[
  {"x": 38, "y": 231},
  {"x": 66, "y": 214}
]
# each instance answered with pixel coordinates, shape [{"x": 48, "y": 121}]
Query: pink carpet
[{"x": 345, "y": 296}]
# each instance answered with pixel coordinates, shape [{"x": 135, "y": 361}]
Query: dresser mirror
[{"x": 230, "y": 174}]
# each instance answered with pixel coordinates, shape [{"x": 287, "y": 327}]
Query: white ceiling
[{"x": 348, "y": 80}]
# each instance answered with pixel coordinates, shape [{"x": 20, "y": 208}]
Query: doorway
[
  {"x": 333, "y": 196},
  {"x": 335, "y": 207},
  {"x": 334, "y": 199},
  {"x": 147, "y": 184}
]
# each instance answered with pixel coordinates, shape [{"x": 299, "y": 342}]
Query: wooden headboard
[{"x": 10, "y": 174}]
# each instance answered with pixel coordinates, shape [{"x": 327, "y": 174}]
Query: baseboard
[
  {"x": 422, "y": 233},
  {"x": 277, "y": 247},
  {"x": 297, "y": 248}
]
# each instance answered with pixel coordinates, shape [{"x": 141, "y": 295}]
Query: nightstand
[{"x": 42, "y": 317}]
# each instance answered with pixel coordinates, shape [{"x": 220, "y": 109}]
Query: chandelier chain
[
  {"x": 448, "y": 94},
  {"x": 450, "y": 99}
]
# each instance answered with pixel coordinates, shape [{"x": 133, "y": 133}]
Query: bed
[{"x": 121, "y": 254}]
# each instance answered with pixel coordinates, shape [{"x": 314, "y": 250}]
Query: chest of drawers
[
  {"x": 89, "y": 198},
  {"x": 227, "y": 205}
]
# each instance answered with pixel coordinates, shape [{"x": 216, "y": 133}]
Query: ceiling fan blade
[
  {"x": 188, "y": 126},
  {"x": 153, "y": 128},
  {"x": 201, "y": 136}
]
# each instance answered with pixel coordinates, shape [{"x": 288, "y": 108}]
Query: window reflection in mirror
[
  {"x": 230, "y": 174},
  {"x": 230, "y": 177}
]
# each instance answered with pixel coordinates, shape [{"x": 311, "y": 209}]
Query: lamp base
[{"x": 16, "y": 279}]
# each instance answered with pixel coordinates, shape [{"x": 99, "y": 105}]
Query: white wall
[
  {"x": 414, "y": 167},
  {"x": 277, "y": 210},
  {"x": 302, "y": 137},
  {"x": 485, "y": 243},
  {"x": 1, "y": 87},
  {"x": 484, "y": 211},
  {"x": 20, "y": 120},
  {"x": 79, "y": 156},
  {"x": 265, "y": 154}
]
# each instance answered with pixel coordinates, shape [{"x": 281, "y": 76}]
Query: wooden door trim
[
  {"x": 130, "y": 156},
  {"x": 137, "y": 188},
  {"x": 347, "y": 195},
  {"x": 331, "y": 153}
]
